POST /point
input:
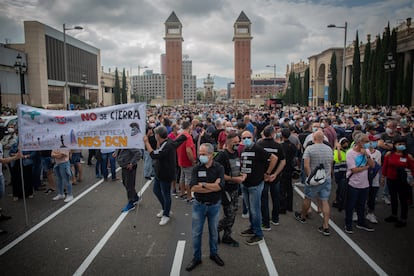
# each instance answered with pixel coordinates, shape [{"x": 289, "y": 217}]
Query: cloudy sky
[{"x": 130, "y": 32}]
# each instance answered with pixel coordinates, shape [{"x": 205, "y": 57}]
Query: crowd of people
[{"x": 210, "y": 155}]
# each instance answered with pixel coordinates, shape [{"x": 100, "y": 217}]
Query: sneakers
[
  {"x": 58, "y": 197},
  {"x": 354, "y": 216},
  {"x": 230, "y": 241},
  {"x": 298, "y": 217},
  {"x": 365, "y": 227},
  {"x": 348, "y": 229},
  {"x": 400, "y": 223},
  {"x": 136, "y": 200},
  {"x": 372, "y": 218},
  {"x": 48, "y": 191},
  {"x": 161, "y": 213},
  {"x": 130, "y": 206},
  {"x": 391, "y": 219},
  {"x": 274, "y": 222},
  {"x": 386, "y": 200},
  {"x": 245, "y": 216},
  {"x": 247, "y": 233},
  {"x": 266, "y": 228},
  {"x": 324, "y": 231},
  {"x": 254, "y": 240},
  {"x": 164, "y": 220},
  {"x": 68, "y": 198}
]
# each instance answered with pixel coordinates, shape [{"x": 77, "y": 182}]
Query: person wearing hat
[
  {"x": 340, "y": 172},
  {"x": 373, "y": 177},
  {"x": 396, "y": 164}
]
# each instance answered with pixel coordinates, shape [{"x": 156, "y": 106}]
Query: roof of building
[
  {"x": 173, "y": 18},
  {"x": 243, "y": 18}
]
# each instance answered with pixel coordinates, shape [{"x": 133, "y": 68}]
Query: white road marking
[
  {"x": 178, "y": 259},
  {"x": 349, "y": 241},
  {"x": 49, "y": 218},
  {"x": 271, "y": 268},
  {"x": 82, "y": 268}
]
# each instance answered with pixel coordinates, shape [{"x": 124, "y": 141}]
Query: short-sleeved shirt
[
  {"x": 271, "y": 146},
  {"x": 183, "y": 160},
  {"x": 356, "y": 159},
  {"x": 201, "y": 173},
  {"x": 254, "y": 161},
  {"x": 319, "y": 154}
]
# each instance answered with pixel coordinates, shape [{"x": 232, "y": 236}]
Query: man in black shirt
[
  {"x": 254, "y": 160},
  {"x": 230, "y": 160},
  {"x": 270, "y": 145},
  {"x": 286, "y": 189},
  {"x": 207, "y": 182}
]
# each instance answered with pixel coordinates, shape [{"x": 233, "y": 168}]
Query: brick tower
[
  {"x": 174, "y": 71},
  {"x": 242, "y": 53}
]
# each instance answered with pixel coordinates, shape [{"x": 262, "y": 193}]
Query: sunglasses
[{"x": 244, "y": 138}]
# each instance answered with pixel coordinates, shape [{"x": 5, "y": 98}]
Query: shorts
[
  {"x": 76, "y": 157},
  {"x": 47, "y": 163},
  {"x": 322, "y": 191},
  {"x": 185, "y": 176}
]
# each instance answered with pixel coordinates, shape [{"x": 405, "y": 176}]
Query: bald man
[{"x": 318, "y": 153}]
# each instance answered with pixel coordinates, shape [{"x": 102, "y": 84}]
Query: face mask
[
  {"x": 322, "y": 125},
  {"x": 235, "y": 147},
  {"x": 314, "y": 129},
  {"x": 203, "y": 159},
  {"x": 152, "y": 125},
  {"x": 388, "y": 130},
  {"x": 247, "y": 142},
  {"x": 374, "y": 145},
  {"x": 10, "y": 130},
  {"x": 345, "y": 146},
  {"x": 234, "y": 123},
  {"x": 403, "y": 121},
  {"x": 228, "y": 129},
  {"x": 278, "y": 135},
  {"x": 301, "y": 124},
  {"x": 366, "y": 145},
  {"x": 400, "y": 147}
]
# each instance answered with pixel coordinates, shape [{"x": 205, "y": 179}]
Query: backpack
[{"x": 372, "y": 172}]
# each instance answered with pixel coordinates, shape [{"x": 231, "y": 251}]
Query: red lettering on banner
[{"x": 89, "y": 116}]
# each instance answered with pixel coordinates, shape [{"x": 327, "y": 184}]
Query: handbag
[{"x": 318, "y": 176}]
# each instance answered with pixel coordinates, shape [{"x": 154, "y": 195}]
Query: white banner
[{"x": 117, "y": 126}]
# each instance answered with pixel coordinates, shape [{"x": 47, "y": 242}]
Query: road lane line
[
  {"x": 49, "y": 218},
  {"x": 271, "y": 268},
  {"x": 178, "y": 258},
  {"x": 82, "y": 268},
  {"x": 348, "y": 240}
]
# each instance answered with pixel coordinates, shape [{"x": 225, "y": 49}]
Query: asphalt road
[{"x": 90, "y": 236}]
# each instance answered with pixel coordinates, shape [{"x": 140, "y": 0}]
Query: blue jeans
[
  {"x": 148, "y": 169},
  {"x": 162, "y": 190},
  {"x": 356, "y": 198},
  {"x": 200, "y": 213},
  {"x": 274, "y": 189},
  {"x": 105, "y": 157},
  {"x": 63, "y": 174},
  {"x": 252, "y": 196}
]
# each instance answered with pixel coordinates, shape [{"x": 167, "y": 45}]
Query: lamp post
[
  {"x": 274, "y": 75},
  {"x": 21, "y": 69},
  {"x": 313, "y": 91},
  {"x": 84, "y": 81},
  {"x": 139, "y": 77},
  {"x": 103, "y": 87},
  {"x": 345, "y": 27},
  {"x": 389, "y": 66},
  {"x": 65, "y": 89}
]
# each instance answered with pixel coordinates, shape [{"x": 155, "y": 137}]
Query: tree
[
  {"x": 117, "y": 92},
  {"x": 124, "y": 96},
  {"x": 356, "y": 74},
  {"x": 365, "y": 73},
  {"x": 305, "y": 88},
  {"x": 333, "y": 84}
]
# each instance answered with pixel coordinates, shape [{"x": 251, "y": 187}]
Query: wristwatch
[{"x": 203, "y": 184}]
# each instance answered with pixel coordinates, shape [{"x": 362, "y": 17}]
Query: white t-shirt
[{"x": 376, "y": 156}]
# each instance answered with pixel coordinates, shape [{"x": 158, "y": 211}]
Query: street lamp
[
  {"x": 84, "y": 81},
  {"x": 21, "y": 69},
  {"x": 139, "y": 78},
  {"x": 65, "y": 89},
  {"x": 103, "y": 87},
  {"x": 313, "y": 92},
  {"x": 389, "y": 66},
  {"x": 345, "y": 27},
  {"x": 274, "y": 74}
]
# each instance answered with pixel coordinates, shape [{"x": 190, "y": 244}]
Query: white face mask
[{"x": 10, "y": 130}]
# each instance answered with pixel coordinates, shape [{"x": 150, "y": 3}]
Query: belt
[{"x": 207, "y": 203}]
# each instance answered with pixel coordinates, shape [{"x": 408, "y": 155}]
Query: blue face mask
[
  {"x": 203, "y": 159},
  {"x": 301, "y": 124},
  {"x": 247, "y": 142},
  {"x": 314, "y": 129},
  {"x": 401, "y": 147},
  {"x": 374, "y": 145},
  {"x": 367, "y": 145}
]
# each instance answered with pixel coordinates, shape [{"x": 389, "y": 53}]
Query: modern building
[
  {"x": 174, "y": 66},
  {"x": 189, "y": 81},
  {"x": 242, "y": 58},
  {"x": 44, "y": 50}
]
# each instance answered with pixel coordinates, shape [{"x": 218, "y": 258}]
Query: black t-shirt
[
  {"x": 254, "y": 160},
  {"x": 271, "y": 146},
  {"x": 202, "y": 174},
  {"x": 231, "y": 163}
]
